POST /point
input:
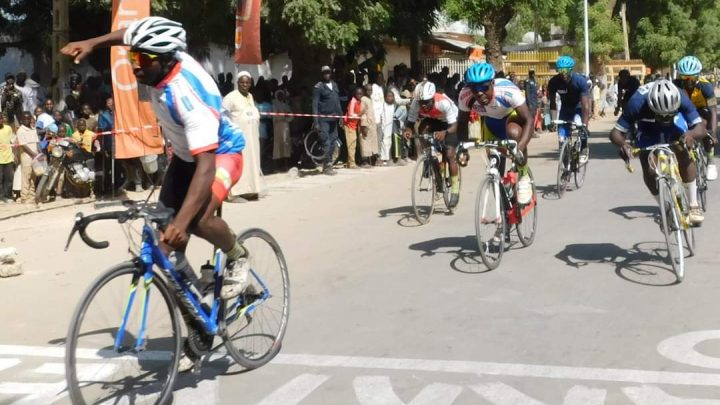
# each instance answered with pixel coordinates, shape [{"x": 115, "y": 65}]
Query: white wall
[
  {"x": 220, "y": 62},
  {"x": 14, "y": 61}
]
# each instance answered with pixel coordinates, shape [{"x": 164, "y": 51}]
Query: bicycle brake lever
[{"x": 78, "y": 218}]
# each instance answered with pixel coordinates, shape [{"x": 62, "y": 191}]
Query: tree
[{"x": 606, "y": 36}]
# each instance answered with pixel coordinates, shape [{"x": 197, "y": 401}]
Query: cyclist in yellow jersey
[{"x": 702, "y": 95}]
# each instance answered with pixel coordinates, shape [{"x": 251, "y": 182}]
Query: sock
[
  {"x": 454, "y": 184},
  {"x": 692, "y": 193},
  {"x": 522, "y": 170},
  {"x": 236, "y": 252}
]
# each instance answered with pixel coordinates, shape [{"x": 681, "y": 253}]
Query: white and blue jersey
[
  {"x": 651, "y": 132},
  {"x": 188, "y": 106}
]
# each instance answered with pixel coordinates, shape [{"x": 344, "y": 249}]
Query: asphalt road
[{"x": 387, "y": 312}]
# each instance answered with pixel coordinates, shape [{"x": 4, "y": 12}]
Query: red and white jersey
[
  {"x": 443, "y": 109},
  {"x": 507, "y": 97}
]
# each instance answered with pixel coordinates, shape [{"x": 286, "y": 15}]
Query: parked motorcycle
[{"x": 68, "y": 161}]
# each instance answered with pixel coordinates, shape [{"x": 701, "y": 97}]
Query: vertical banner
[
  {"x": 247, "y": 33},
  {"x": 135, "y": 123}
]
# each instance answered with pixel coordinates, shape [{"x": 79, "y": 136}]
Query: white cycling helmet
[
  {"x": 664, "y": 98},
  {"x": 427, "y": 92},
  {"x": 155, "y": 34}
]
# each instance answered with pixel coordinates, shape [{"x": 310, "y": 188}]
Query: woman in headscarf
[
  {"x": 241, "y": 109},
  {"x": 281, "y": 131}
]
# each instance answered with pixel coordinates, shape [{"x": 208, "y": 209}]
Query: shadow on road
[
  {"x": 548, "y": 192},
  {"x": 407, "y": 216},
  {"x": 637, "y": 212},
  {"x": 645, "y": 263}
]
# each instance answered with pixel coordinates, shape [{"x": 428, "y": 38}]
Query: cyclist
[
  {"x": 439, "y": 115},
  {"x": 575, "y": 100},
  {"x": 207, "y": 149},
  {"x": 627, "y": 86},
  {"x": 663, "y": 114},
  {"x": 501, "y": 105},
  {"x": 702, "y": 95}
]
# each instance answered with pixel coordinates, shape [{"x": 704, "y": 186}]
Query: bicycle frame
[
  {"x": 667, "y": 169},
  {"x": 189, "y": 297}
]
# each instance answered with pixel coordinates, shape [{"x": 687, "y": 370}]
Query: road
[{"x": 387, "y": 312}]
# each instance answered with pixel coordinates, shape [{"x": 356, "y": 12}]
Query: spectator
[
  {"x": 400, "y": 145},
  {"x": 351, "y": 122},
  {"x": 264, "y": 105},
  {"x": 106, "y": 122},
  {"x": 106, "y": 119},
  {"x": 7, "y": 161},
  {"x": 72, "y": 101},
  {"x": 41, "y": 91},
  {"x": 221, "y": 83},
  {"x": 45, "y": 118},
  {"x": 282, "y": 147},
  {"x": 595, "y": 99},
  {"x": 626, "y": 86},
  {"x": 326, "y": 101},
  {"x": 531, "y": 91},
  {"x": 28, "y": 92},
  {"x": 64, "y": 129},
  {"x": 240, "y": 104},
  {"x": 11, "y": 101},
  {"x": 368, "y": 128},
  {"x": 87, "y": 113},
  {"x": 387, "y": 119},
  {"x": 83, "y": 136},
  {"x": 378, "y": 99},
  {"x": 27, "y": 143}
]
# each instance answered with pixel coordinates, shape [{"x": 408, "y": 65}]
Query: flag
[{"x": 247, "y": 33}]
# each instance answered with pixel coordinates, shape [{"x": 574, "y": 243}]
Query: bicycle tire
[
  {"x": 672, "y": 229},
  {"x": 313, "y": 147},
  {"x": 45, "y": 185},
  {"x": 447, "y": 185},
  {"x": 423, "y": 180},
  {"x": 563, "y": 169},
  {"x": 527, "y": 236},
  {"x": 75, "y": 387},
  {"x": 252, "y": 359},
  {"x": 701, "y": 178},
  {"x": 489, "y": 193},
  {"x": 688, "y": 232},
  {"x": 581, "y": 170}
]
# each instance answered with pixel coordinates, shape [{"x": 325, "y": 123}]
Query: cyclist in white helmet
[
  {"x": 663, "y": 114},
  {"x": 207, "y": 148}
]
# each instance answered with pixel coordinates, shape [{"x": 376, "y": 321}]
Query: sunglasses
[
  {"x": 666, "y": 119},
  {"x": 480, "y": 88},
  {"x": 426, "y": 103},
  {"x": 565, "y": 71},
  {"x": 687, "y": 77},
  {"x": 141, "y": 58}
]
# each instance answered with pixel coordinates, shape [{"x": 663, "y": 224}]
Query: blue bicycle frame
[{"x": 150, "y": 255}]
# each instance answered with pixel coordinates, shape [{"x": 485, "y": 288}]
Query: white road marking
[
  {"x": 649, "y": 395},
  {"x": 585, "y": 395},
  {"x": 35, "y": 393},
  {"x": 681, "y": 348},
  {"x": 502, "y": 394},
  {"x": 51, "y": 368},
  {"x": 7, "y": 363},
  {"x": 82, "y": 354},
  {"x": 295, "y": 390},
  {"x": 377, "y": 390}
]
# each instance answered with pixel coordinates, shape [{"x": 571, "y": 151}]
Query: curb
[{"x": 33, "y": 209}]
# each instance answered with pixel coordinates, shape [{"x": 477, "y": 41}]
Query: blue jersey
[
  {"x": 570, "y": 92},
  {"x": 189, "y": 109},
  {"x": 651, "y": 132}
]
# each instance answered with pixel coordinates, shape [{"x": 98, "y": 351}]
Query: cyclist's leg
[
  {"x": 648, "y": 175},
  {"x": 688, "y": 173},
  {"x": 175, "y": 187}
]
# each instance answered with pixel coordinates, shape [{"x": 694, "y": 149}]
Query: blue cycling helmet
[
  {"x": 480, "y": 73},
  {"x": 565, "y": 62},
  {"x": 689, "y": 65}
]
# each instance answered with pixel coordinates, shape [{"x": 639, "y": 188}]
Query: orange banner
[
  {"x": 247, "y": 33},
  {"x": 135, "y": 121}
]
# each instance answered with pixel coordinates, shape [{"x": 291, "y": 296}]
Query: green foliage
[{"x": 606, "y": 36}]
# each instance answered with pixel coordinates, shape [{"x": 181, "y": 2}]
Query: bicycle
[
  {"x": 570, "y": 162},
  {"x": 673, "y": 205},
  {"x": 315, "y": 149},
  {"x": 136, "y": 343},
  {"x": 496, "y": 206},
  {"x": 700, "y": 157},
  {"x": 431, "y": 176}
]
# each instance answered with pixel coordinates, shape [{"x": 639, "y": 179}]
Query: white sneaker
[
  {"x": 524, "y": 193},
  {"x": 185, "y": 364},
  {"x": 696, "y": 216},
  {"x": 712, "y": 172},
  {"x": 236, "y": 278},
  {"x": 584, "y": 156}
]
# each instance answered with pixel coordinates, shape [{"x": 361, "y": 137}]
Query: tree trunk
[{"x": 494, "y": 22}]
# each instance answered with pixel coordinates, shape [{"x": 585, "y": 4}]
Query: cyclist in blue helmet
[
  {"x": 501, "y": 106},
  {"x": 702, "y": 95},
  {"x": 574, "y": 97}
]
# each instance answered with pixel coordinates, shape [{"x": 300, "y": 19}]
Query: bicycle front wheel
[
  {"x": 257, "y": 319},
  {"x": 423, "y": 190},
  {"x": 672, "y": 229},
  {"x": 701, "y": 178},
  {"x": 563, "y": 171},
  {"x": 527, "y": 226},
  {"x": 124, "y": 340},
  {"x": 581, "y": 170},
  {"x": 314, "y": 147},
  {"x": 490, "y": 225}
]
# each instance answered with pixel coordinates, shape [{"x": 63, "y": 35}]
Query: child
[{"x": 386, "y": 123}]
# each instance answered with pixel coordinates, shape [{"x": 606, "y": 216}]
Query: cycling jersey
[
  {"x": 443, "y": 110},
  {"x": 651, "y": 132},
  {"x": 188, "y": 107},
  {"x": 571, "y": 94},
  {"x": 701, "y": 95},
  {"x": 507, "y": 97}
]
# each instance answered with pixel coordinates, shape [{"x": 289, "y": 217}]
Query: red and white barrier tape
[{"x": 273, "y": 114}]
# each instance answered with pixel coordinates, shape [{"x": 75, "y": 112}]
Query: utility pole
[
  {"x": 587, "y": 41},
  {"x": 60, "y": 37},
  {"x": 623, "y": 15}
]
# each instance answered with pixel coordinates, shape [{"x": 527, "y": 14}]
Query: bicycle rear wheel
[
  {"x": 96, "y": 372},
  {"x": 490, "y": 225},
  {"x": 701, "y": 178},
  {"x": 581, "y": 169},
  {"x": 527, "y": 226},
  {"x": 314, "y": 147},
  {"x": 257, "y": 319},
  {"x": 563, "y": 171},
  {"x": 423, "y": 190},
  {"x": 672, "y": 229}
]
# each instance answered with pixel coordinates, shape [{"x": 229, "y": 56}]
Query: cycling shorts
[
  {"x": 564, "y": 131},
  {"x": 495, "y": 129},
  {"x": 228, "y": 169},
  {"x": 433, "y": 125}
]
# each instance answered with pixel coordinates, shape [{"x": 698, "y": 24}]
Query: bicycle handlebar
[
  {"x": 572, "y": 123},
  {"x": 636, "y": 151}
]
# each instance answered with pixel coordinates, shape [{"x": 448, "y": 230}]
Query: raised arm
[{"x": 79, "y": 50}]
